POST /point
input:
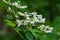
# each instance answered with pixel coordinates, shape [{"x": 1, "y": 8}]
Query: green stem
[{"x": 19, "y": 34}]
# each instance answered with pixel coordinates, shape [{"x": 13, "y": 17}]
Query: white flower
[
  {"x": 19, "y": 22},
  {"x": 42, "y": 27},
  {"x": 39, "y": 16},
  {"x": 26, "y": 14},
  {"x": 9, "y": 9},
  {"x": 20, "y": 13},
  {"x": 36, "y": 19},
  {"x": 34, "y": 13},
  {"x": 32, "y": 22},
  {"x": 16, "y": 16},
  {"x": 23, "y": 14},
  {"x": 48, "y": 30},
  {"x": 25, "y": 22},
  {"x": 15, "y": 3},
  {"x": 42, "y": 20},
  {"x": 6, "y": 2},
  {"x": 18, "y": 1},
  {"x": 23, "y": 7},
  {"x": 28, "y": 18}
]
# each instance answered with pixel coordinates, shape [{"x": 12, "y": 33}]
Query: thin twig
[{"x": 19, "y": 33}]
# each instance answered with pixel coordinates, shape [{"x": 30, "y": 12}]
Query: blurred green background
[{"x": 50, "y": 9}]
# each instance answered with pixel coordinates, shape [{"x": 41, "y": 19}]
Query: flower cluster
[
  {"x": 16, "y": 4},
  {"x": 32, "y": 19},
  {"x": 46, "y": 29},
  {"x": 29, "y": 19}
]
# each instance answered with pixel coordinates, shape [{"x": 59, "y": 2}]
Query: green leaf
[
  {"x": 58, "y": 6},
  {"x": 44, "y": 37},
  {"x": 9, "y": 16},
  {"x": 35, "y": 30},
  {"x": 35, "y": 33},
  {"x": 56, "y": 24},
  {"x": 10, "y": 23},
  {"x": 28, "y": 35}
]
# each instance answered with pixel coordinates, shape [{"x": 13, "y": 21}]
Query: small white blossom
[
  {"x": 36, "y": 19},
  {"x": 23, "y": 14},
  {"x": 25, "y": 22},
  {"x": 19, "y": 22},
  {"x": 28, "y": 18},
  {"x": 48, "y": 30},
  {"x": 9, "y": 9},
  {"x": 18, "y": 1},
  {"x": 32, "y": 22},
  {"x": 42, "y": 20},
  {"x": 20, "y": 13},
  {"x": 23, "y": 7},
  {"x": 42, "y": 27},
  {"x": 39, "y": 16},
  {"x": 15, "y": 3},
  {"x": 26, "y": 14},
  {"x": 16, "y": 16},
  {"x": 34, "y": 13}
]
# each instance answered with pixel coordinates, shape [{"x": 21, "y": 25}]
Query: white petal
[
  {"x": 34, "y": 13},
  {"x": 49, "y": 30},
  {"x": 27, "y": 21},
  {"x": 27, "y": 18},
  {"x": 19, "y": 22},
  {"x": 39, "y": 16},
  {"x": 32, "y": 22},
  {"x": 16, "y": 16},
  {"x": 20, "y": 13},
  {"x": 42, "y": 20},
  {"x": 18, "y": 1},
  {"x": 23, "y": 7},
  {"x": 9, "y": 9},
  {"x": 35, "y": 19},
  {"x": 42, "y": 26},
  {"x": 15, "y": 3}
]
